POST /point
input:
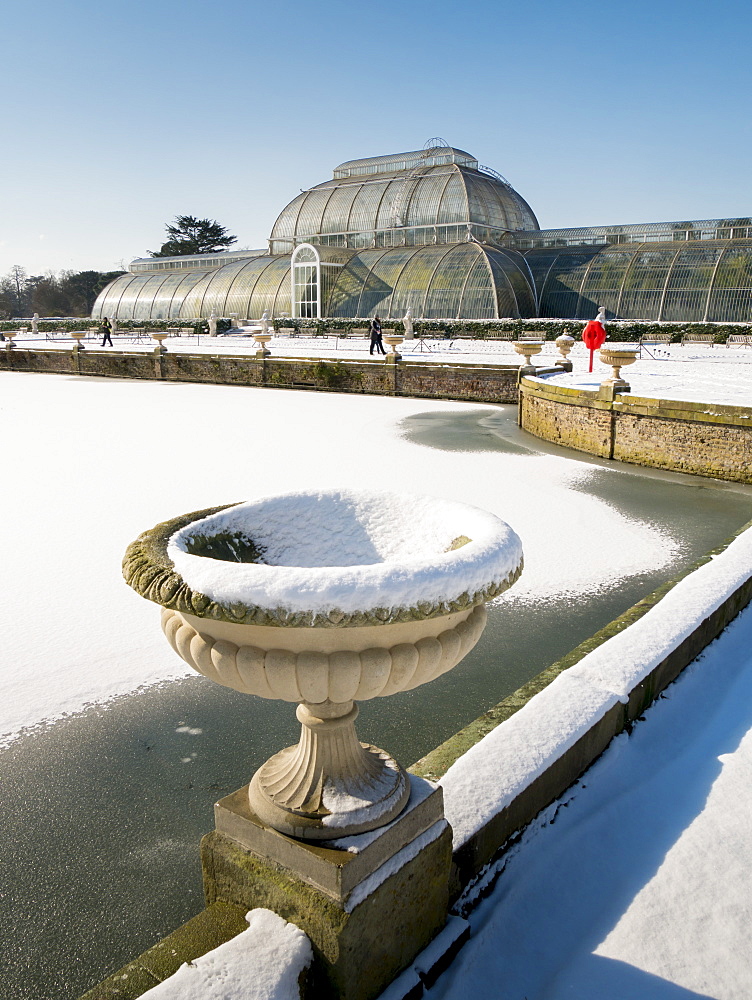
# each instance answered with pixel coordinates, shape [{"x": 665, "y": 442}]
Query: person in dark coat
[
  {"x": 376, "y": 336},
  {"x": 106, "y": 328}
]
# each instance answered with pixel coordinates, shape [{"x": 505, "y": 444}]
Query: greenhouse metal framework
[{"x": 434, "y": 232}]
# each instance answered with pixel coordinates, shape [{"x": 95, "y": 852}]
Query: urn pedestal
[
  {"x": 325, "y": 599},
  {"x": 617, "y": 357},
  {"x": 527, "y": 348}
]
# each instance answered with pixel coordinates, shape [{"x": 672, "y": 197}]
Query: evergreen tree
[{"x": 189, "y": 235}]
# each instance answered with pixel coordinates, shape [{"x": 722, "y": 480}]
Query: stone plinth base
[{"x": 369, "y": 903}]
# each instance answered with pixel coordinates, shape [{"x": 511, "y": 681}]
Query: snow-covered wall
[{"x": 575, "y": 708}]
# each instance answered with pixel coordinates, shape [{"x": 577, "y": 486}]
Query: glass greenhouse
[{"x": 435, "y": 232}]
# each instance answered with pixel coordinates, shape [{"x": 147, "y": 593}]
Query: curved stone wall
[{"x": 703, "y": 439}]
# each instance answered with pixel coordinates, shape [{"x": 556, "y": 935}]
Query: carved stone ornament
[{"x": 324, "y": 658}]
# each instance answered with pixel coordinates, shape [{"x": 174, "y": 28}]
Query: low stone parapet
[
  {"x": 703, "y": 439},
  {"x": 475, "y": 383}
]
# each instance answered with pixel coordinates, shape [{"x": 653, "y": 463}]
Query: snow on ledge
[
  {"x": 506, "y": 761},
  {"x": 353, "y": 550},
  {"x": 261, "y": 963}
]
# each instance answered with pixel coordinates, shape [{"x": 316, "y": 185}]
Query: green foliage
[
  {"x": 67, "y": 293},
  {"x": 189, "y": 235}
]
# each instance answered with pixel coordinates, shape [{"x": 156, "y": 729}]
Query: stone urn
[
  {"x": 618, "y": 357},
  {"x": 565, "y": 343},
  {"x": 393, "y": 340},
  {"x": 325, "y": 599},
  {"x": 159, "y": 336},
  {"x": 262, "y": 338},
  {"x": 528, "y": 348},
  {"x": 78, "y": 336}
]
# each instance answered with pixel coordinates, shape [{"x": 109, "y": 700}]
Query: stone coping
[
  {"x": 438, "y": 761},
  {"x": 252, "y": 359},
  {"x": 487, "y": 845},
  {"x": 148, "y": 569},
  {"x": 667, "y": 409}
]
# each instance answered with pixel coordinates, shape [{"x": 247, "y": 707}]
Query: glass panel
[
  {"x": 414, "y": 281},
  {"x": 644, "y": 283},
  {"x": 215, "y": 297},
  {"x": 389, "y": 200},
  {"x": 150, "y": 287},
  {"x": 445, "y": 289},
  {"x": 365, "y": 205},
  {"x": 480, "y": 300},
  {"x": 192, "y": 305},
  {"x": 348, "y": 283},
  {"x": 187, "y": 282},
  {"x": 110, "y": 298},
  {"x": 453, "y": 208},
  {"x": 602, "y": 283},
  {"x": 561, "y": 291},
  {"x": 337, "y": 216},
  {"x": 238, "y": 301},
  {"x": 285, "y": 224},
  {"x": 163, "y": 298},
  {"x": 731, "y": 298},
  {"x": 517, "y": 282},
  {"x": 423, "y": 209},
  {"x": 377, "y": 291},
  {"x": 272, "y": 290},
  {"x": 312, "y": 211}
]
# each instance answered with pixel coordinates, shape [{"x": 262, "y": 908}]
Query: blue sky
[{"x": 117, "y": 117}]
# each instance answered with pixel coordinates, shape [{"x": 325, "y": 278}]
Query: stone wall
[
  {"x": 704, "y": 439},
  {"x": 501, "y": 830},
  {"x": 476, "y": 383}
]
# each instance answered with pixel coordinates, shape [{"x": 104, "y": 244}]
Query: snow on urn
[{"x": 326, "y": 599}]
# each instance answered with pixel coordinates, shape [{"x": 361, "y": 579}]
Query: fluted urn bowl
[
  {"x": 528, "y": 348},
  {"x": 325, "y": 599},
  {"x": 618, "y": 357}
]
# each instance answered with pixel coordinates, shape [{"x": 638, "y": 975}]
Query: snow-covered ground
[
  {"x": 90, "y": 463},
  {"x": 637, "y": 884},
  {"x": 698, "y": 373},
  {"x": 641, "y": 886}
]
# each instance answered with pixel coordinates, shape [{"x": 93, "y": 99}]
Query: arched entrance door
[{"x": 305, "y": 275}]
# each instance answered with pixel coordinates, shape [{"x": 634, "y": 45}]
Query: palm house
[{"x": 434, "y": 232}]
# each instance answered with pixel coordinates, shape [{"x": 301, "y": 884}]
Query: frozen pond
[{"x": 104, "y": 809}]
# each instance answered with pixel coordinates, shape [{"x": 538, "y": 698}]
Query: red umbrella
[{"x": 593, "y": 336}]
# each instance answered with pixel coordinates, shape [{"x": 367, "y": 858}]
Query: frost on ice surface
[
  {"x": 353, "y": 550},
  {"x": 261, "y": 963},
  {"x": 89, "y": 653}
]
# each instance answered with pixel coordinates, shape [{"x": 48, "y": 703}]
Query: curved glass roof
[
  {"x": 682, "y": 281},
  {"x": 464, "y": 280},
  {"x": 244, "y": 288},
  {"x": 404, "y": 191}
]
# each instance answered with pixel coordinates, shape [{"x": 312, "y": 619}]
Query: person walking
[
  {"x": 106, "y": 330},
  {"x": 376, "y": 340}
]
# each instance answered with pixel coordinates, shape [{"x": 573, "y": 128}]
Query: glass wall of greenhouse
[
  {"x": 434, "y": 232},
  {"x": 702, "y": 282},
  {"x": 465, "y": 280}
]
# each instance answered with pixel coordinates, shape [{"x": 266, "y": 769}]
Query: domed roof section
[{"x": 416, "y": 191}]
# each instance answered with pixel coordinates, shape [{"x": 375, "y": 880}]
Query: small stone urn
[
  {"x": 565, "y": 343},
  {"x": 393, "y": 340},
  {"x": 262, "y": 338},
  {"x": 159, "y": 336},
  {"x": 618, "y": 357},
  {"x": 527, "y": 348},
  {"x": 324, "y": 599},
  {"x": 78, "y": 336}
]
